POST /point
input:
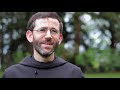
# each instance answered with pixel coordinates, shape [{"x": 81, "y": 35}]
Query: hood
[{"x": 31, "y": 62}]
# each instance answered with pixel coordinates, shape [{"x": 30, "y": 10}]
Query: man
[{"x": 44, "y": 31}]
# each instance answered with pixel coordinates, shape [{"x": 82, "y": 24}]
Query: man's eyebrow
[
  {"x": 43, "y": 28},
  {"x": 47, "y": 28}
]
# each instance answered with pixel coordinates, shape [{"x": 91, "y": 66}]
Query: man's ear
[
  {"x": 29, "y": 36},
  {"x": 61, "y": 38}
]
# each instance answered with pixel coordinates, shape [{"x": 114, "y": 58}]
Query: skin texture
[{"x": 44, "y": 44}]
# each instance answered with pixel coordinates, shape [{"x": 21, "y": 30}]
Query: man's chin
[{"x": 46, "y": 54}]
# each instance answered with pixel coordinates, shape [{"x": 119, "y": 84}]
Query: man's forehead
[{"x": 43, "y": 22}]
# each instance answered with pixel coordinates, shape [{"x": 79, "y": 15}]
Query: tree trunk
[
  {"x": 10, "y": 61},
  {"x": 1, "y": 48},
  {"x": 77, "y": 29},
  {"x": 113, "y": 38}
]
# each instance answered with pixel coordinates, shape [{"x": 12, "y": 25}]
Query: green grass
[{"x": 103, "y": 75}]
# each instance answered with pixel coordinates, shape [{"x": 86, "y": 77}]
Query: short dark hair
[{"x": 39, "y": 15}]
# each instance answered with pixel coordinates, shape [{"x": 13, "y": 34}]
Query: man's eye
[
  {"x": 53, "y": 30},
  {"x": 41, "y": 30}
]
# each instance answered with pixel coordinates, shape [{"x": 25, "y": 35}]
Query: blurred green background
[{"x": 91, "y": 41}]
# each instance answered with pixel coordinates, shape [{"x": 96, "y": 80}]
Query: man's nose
[{"x": 48, "y": 34}]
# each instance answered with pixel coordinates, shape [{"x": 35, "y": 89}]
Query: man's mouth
[
  {"x": 48, "y": 43},
  {"x": 48, "y": 46}
]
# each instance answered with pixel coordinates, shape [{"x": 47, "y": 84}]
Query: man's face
[{"x": 48, "y": 37}]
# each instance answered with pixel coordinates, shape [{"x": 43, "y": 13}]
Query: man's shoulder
[
  {"x": 10, "y": 71},
  {"x": 76, "y": 70},
  {"x": 12, "y": 67},
  {"x": 15, "y": 66},
  {"x": 72, "y": 66},
  {"x": 68, "y": 64}
]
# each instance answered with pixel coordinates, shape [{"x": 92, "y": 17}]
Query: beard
[{"x": 37, "y": 45}]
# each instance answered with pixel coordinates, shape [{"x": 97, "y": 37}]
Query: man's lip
[
  {"x": 46, "y": 46},
  {"x": 48, "y": 43}
]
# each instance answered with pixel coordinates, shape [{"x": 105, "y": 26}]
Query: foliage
[
  {"x": 63, "y": 53},
  {"x": 88, "y": 60},
  {"x": 95, "y": 60},
  {"x": 1, "y": 73},
  {"x": 18, "y": 56}
]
